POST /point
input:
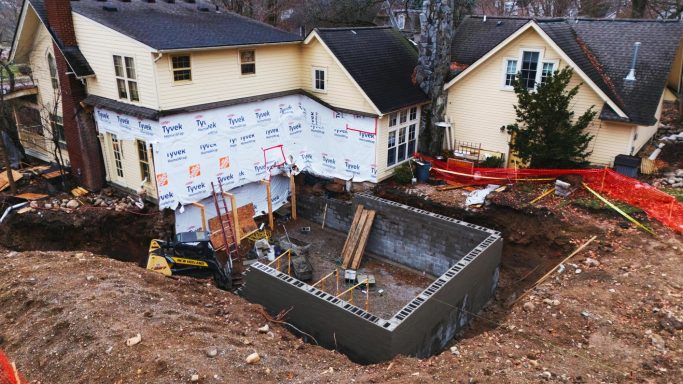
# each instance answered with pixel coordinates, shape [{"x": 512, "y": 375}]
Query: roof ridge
[
  {"x": 352, "y": 28},
  {"x": 569, "y": 19}
]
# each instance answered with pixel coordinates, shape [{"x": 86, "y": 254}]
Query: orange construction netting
[
  {"x": 8, "y": 372},
  {"x": 655, "y": 203}
]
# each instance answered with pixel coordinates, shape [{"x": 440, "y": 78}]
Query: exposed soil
[{"x": 620, "y": 320}]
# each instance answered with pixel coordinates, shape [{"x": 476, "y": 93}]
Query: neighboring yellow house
[
  {"x": 151, "y": 64},
  {"x": 493, "y": 50}
]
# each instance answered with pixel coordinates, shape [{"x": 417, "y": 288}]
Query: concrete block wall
[
  {"x": 426, "y": 324},
  {"x": 339, "y": 212}
]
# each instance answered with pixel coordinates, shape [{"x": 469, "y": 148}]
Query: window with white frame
[
  {"x": 510, "y": 72},
  {"x": 143, "y": 158},
  {"x": 319, "y": 79},
  {"x": 403, "y": 133},
  {"x": 126, "y": 78},
  {"x": 182, "y": 68},
  {"x": 547, "y": 72},
  {"x": 118, "y": 154},
  {"x": 57, "y": 125},
  {"x": 531, "y": 68},
  {"x": 248, "y": 62},
  {"x": 52, "y": 66}
]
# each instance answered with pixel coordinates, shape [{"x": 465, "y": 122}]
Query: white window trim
[
  {"x": 326, "y": 81},
  {"x": 541, "y": 55},
  {"x": 505, "y": 72},
  {"x": 170, "y": 68},
  {"x": 554, "y": 62},
  {"x": 125, "y": 77},
  {"x": 239, "y": 62},
  {"x": 399, "y": 126}
]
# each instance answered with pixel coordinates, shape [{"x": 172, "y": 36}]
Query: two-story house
[
  {"x": 626, "y": 69},
  {"x": 183, "y": 95}
]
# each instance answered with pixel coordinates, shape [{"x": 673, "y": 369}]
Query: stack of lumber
[
  {"x": 354, "y": 247},
  {"x": 79, "y": 191}
]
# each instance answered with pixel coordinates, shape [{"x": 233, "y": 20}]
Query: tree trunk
[
  {"x": 432, "y": 70},
  {"x": 8, "y": 166}
]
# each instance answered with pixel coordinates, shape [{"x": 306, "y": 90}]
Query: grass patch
[{"x": 594, "y": 204}]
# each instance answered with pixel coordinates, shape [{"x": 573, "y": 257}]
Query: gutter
[{"x": 176, "y": 50}]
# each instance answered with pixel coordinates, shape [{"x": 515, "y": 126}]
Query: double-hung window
[
  {"x": 547, "y": 72},
  {"x": 248, "y": 61},
  {"x": 529, "y": 69},
  {"x": 182, "y": 69},
  {"x": 52, "y": 66},
  {"x": 403, "y": 132},
  {"x": 57, "y": 125},
  {"x": 510, "y": 72},
  {"x": 126, "y": 78},
  {"x": 144, "y": 160},
  {"x": 118, "y": 154},
  {"x": 319, "y": 79}
]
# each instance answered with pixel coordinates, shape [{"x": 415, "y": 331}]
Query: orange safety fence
[
  {"x": 655, "y": 203},
  {"x": 8, "y": 372}
]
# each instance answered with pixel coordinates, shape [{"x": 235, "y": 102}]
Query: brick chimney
[{"x": 82, "y": 142}]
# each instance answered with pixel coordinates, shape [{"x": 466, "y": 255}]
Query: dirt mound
[{"x": 121, "y": 235}]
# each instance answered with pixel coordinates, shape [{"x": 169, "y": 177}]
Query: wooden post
[
  {"x": 671, "y": 206},
  {"x": 203, "y": 213},
  {"x": 292, "y": 187},
  {"x": 271, "y": 223},
  {"x": 235, "y": 217},
  {"x": 602, "y": 184}
]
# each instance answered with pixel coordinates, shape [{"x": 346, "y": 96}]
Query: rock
[
  {"x": 546, "y": 375},
  {"x": 194, "y": 377},
  {"x": 454, "y": 350},
  {"x": 73, "y": 204},
  {"x": 47, "y": 206},
  {"x": 98, "y": 202},
  {"x": 578, "y": 270},
  {"x": 253, "y": 358},
  {"x": 33, "y": 204},
  {"x": 264, "y": 329},
  {"x": 12, "y": 254},
  {"x": 528, "y": 306},
  {"x": 212, "y": 352},
  {"x": 134, "y": 340},
  {"x": 657, "y": 341},
  {"x": 90, "y": 278},
  {"x": 679, "y": 172},
  {"x": 554, "y": 303},
  {"x": 591, "y": 262},
  {"x": 108, "y": 351}
]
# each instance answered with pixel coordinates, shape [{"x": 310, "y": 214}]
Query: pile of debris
[
  {"x": 670, "y": 179},
  {"x": 82, "y": 198},
  {"x": 670, "y": 133}
]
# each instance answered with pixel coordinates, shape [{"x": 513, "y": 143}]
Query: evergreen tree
[{"x": 545, "y": 134}]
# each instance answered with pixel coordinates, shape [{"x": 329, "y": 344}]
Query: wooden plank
[
  {"x": 363, "y": 240},
  {"x": 52, "y": 175},
  {"x": 4, "y": 183},
  {"x": 451, "y": 186},
  {"x": 353, "y": 241},
  {"x": 292, "y": 188},
  {"x": 31, "y": 196},
  {"x": 354, "y": 223}
]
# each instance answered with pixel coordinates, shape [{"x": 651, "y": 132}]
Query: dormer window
[{"x": 248, "y": 62}]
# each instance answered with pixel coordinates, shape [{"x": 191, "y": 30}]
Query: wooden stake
[
  {"x": 202, "y": 212},
  {"x": 324, "y": 215},
  {"x": 292, "y": 187},
  {"x": 271, "y": 223},
  {"x": 544, "y": 277},
  {"x": 235, "y": 217},
  {"x": 365, "y": 232}
]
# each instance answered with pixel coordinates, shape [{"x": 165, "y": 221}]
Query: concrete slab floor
[{"x": 399, "y": 285}]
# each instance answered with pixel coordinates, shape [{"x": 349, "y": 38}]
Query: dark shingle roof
[
  {"x": 73, "y": 56},
  {"x": 181, "y": 25},
  {"x": 602, "y": 49},
  {"x": 380, "y": 60}
]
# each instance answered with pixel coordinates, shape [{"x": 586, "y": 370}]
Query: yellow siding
[
  {"x": 130, "y": 161},
  {"x": 216, "y": 76},
  {"x": 341, "y": 90},
  {"x": 99, "y": 44},
  {"x": 478, "y": 106},
  {"x": 36, "y": 145},
  {"x": 381, "y": 149}
]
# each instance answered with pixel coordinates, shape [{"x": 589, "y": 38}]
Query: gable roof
[
  {"x": 380, "y": 60},
  {"x": 73, "y": 55},
  {"x": 601, "y": 49},
  {"x": 180, "y": 25}
]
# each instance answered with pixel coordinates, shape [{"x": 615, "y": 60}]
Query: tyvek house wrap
[{"x": 246, "y": 143}]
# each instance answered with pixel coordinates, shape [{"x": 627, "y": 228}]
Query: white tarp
[{"x": 246, "y": 143}]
